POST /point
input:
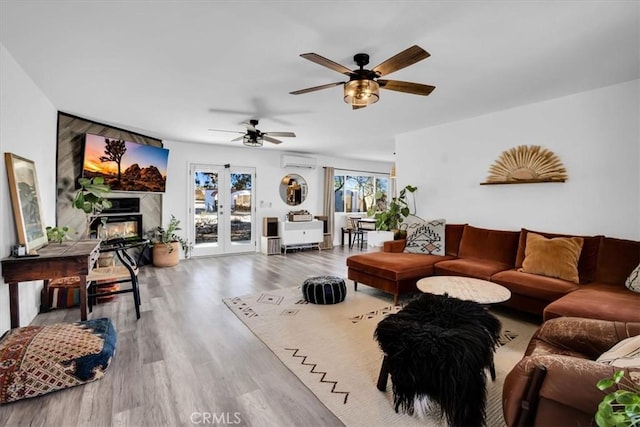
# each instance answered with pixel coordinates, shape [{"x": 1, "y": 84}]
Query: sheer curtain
[{"x": 329, "y": 200}]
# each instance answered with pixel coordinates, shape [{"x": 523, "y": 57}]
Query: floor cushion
[
  {"x": 35, "y": 360},
  {"x": 324, "y": 290}
]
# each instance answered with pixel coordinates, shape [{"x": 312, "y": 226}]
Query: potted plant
[
  {"x": 59, "y": 234},
  {"x": 392, "y": 218},
  {"x": 166, "y": 244},
  {"x": 620, "y": 407}
]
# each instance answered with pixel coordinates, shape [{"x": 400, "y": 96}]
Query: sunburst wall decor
[{"x": 526, "y": 164}]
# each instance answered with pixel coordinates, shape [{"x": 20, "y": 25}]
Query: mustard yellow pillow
[{"x": 556, "y": 257}]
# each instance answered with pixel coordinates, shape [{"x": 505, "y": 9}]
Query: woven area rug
[{"x": 332, "y": 350}]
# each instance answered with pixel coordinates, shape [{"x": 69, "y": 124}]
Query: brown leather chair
[{"x": 555, "y": 382}]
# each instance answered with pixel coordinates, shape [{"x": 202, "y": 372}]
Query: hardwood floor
[{"x": 189, "y": 360}]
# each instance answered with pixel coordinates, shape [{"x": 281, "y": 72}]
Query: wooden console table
[{"x": 55, "y": 261}]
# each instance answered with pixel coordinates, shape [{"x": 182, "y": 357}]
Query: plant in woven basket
[
  {"x": 168, "y": 235},
  {"x": 621, "y": 407}
]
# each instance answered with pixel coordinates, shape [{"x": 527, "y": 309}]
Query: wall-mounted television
[{"x": 125, "y": 165}]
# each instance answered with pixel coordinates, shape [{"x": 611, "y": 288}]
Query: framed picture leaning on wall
[{"x": 25, "y": 198}]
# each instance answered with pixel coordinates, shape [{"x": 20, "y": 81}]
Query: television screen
[{"x": 125, "y": 165}]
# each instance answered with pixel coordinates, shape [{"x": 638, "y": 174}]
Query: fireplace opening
[
  {"x": 114, "y": 226},
  {"x": 122, "y": 221}
]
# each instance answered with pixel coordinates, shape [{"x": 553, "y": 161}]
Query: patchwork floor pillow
[{"x": 35, "y": 360}]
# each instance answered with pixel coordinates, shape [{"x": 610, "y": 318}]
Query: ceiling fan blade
[
  {"x": 321, "y": 60},
  {"x": 313, "y": 89},
  {"x": 403, "y": 59},
  {"x": 220, "y": 130},
  {"x": 407, "y": 87},
  {"x": 238, "y": 138},
  {"x": 273, "y": 140},
  {"x": 287, "y": 134}
]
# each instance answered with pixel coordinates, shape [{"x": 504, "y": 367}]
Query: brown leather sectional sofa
[{"x": 496, "y": 255}]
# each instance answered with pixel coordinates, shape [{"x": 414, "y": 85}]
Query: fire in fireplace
[
  {"x": 122, "y": 221},
  {"x": 107, "y": 227}
]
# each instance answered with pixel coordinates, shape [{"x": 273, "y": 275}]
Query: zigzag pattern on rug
[
  {"x": 324, "y": 374},
  {"x": 391, "y": 309}
]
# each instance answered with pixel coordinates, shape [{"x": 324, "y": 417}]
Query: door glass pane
[
  {"x": 206, "y": 207},
  {"x": 241, "y": 207}
]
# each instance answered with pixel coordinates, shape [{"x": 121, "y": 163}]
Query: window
[{"x": 360, "y": 192}]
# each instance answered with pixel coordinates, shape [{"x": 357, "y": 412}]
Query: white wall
[
  {"x": 595, "y": 134},
  {"x": 27, "y": 125},
  {"x": 269, "y": 175}
]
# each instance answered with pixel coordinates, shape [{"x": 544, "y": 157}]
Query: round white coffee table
[{"x": 465, "y": 288}]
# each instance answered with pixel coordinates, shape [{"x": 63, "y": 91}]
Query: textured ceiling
[{"x": 174, "y": 69}]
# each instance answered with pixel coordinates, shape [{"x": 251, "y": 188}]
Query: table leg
[
  {"x": 14, "y": 305},
  {"x": 83, "y": 297}
]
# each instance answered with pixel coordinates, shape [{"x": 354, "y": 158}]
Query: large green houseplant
[
  {"x": 90, "y": 199},
  {"x": 391, "y": 218},
  {"x": 619, "y": 408}
]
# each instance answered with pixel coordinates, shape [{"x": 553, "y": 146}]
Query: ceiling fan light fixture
[
  {"x": 251, "y": 141},
  {"x": 361, "y": 92}
]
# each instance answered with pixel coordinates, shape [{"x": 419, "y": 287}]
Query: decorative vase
[
  {"x": 399, "y": 234},
  {"x": 162, "y": 257}
]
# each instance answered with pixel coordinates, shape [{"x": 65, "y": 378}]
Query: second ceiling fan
[
  {"x": 363, "y": 86},
  {"x": 253, "y": 137}
]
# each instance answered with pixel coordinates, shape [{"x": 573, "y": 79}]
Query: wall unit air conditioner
[{"x": 289, "y": 161}]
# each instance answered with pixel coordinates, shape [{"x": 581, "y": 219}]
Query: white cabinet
[{"x": 300, "y": 234}]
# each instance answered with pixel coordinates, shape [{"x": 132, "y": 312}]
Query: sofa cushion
[
  {"x": 633, "y": 281},
  {"x": 532, "y": 285},
  {"x": 588, "y": 255},
  {"x": 452, "y": 236},
  {"x": 554, "y": 257},
  {"x": 597, "y": 301},
  {"x": 469, "y": 267},
  {"x": 616, "y": 260},
  {"x": 492, "y": 245},
  {"x": 425, "y": 237},
  {"x": 394, "y": 266}
]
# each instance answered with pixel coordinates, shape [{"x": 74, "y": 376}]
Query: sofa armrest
[
  {"x": 590, "y": 337},
  {"x": 394, "y": 246},
  {"x": 569, "y": 381}
]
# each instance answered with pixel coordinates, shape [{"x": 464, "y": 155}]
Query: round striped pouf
[{"x": 324, "y": 290}]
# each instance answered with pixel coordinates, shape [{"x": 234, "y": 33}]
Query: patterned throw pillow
[
  {"x": 633, "y": 281},
  {"x": 625, "y": 354},
  {"x": 425, "y": 237}
]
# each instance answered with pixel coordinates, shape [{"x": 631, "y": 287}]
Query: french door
[{"x": 222, "y": 210}]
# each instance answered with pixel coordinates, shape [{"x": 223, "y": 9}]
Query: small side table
[
  {"x": 54, "y": 261},
  {"x": 466, "y": 288}
]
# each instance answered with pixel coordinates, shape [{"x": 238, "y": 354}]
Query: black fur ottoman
[{"x": 324, "y": 290}]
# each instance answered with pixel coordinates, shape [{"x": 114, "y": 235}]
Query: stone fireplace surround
[{"x": 71, "y": 130}]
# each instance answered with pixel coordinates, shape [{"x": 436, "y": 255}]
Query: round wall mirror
[{"x": 293, "y": 189}]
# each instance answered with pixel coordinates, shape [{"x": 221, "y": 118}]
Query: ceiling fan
[
  {"x": 253, "y": 137},
  {"x": 363, "y": 87}
]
